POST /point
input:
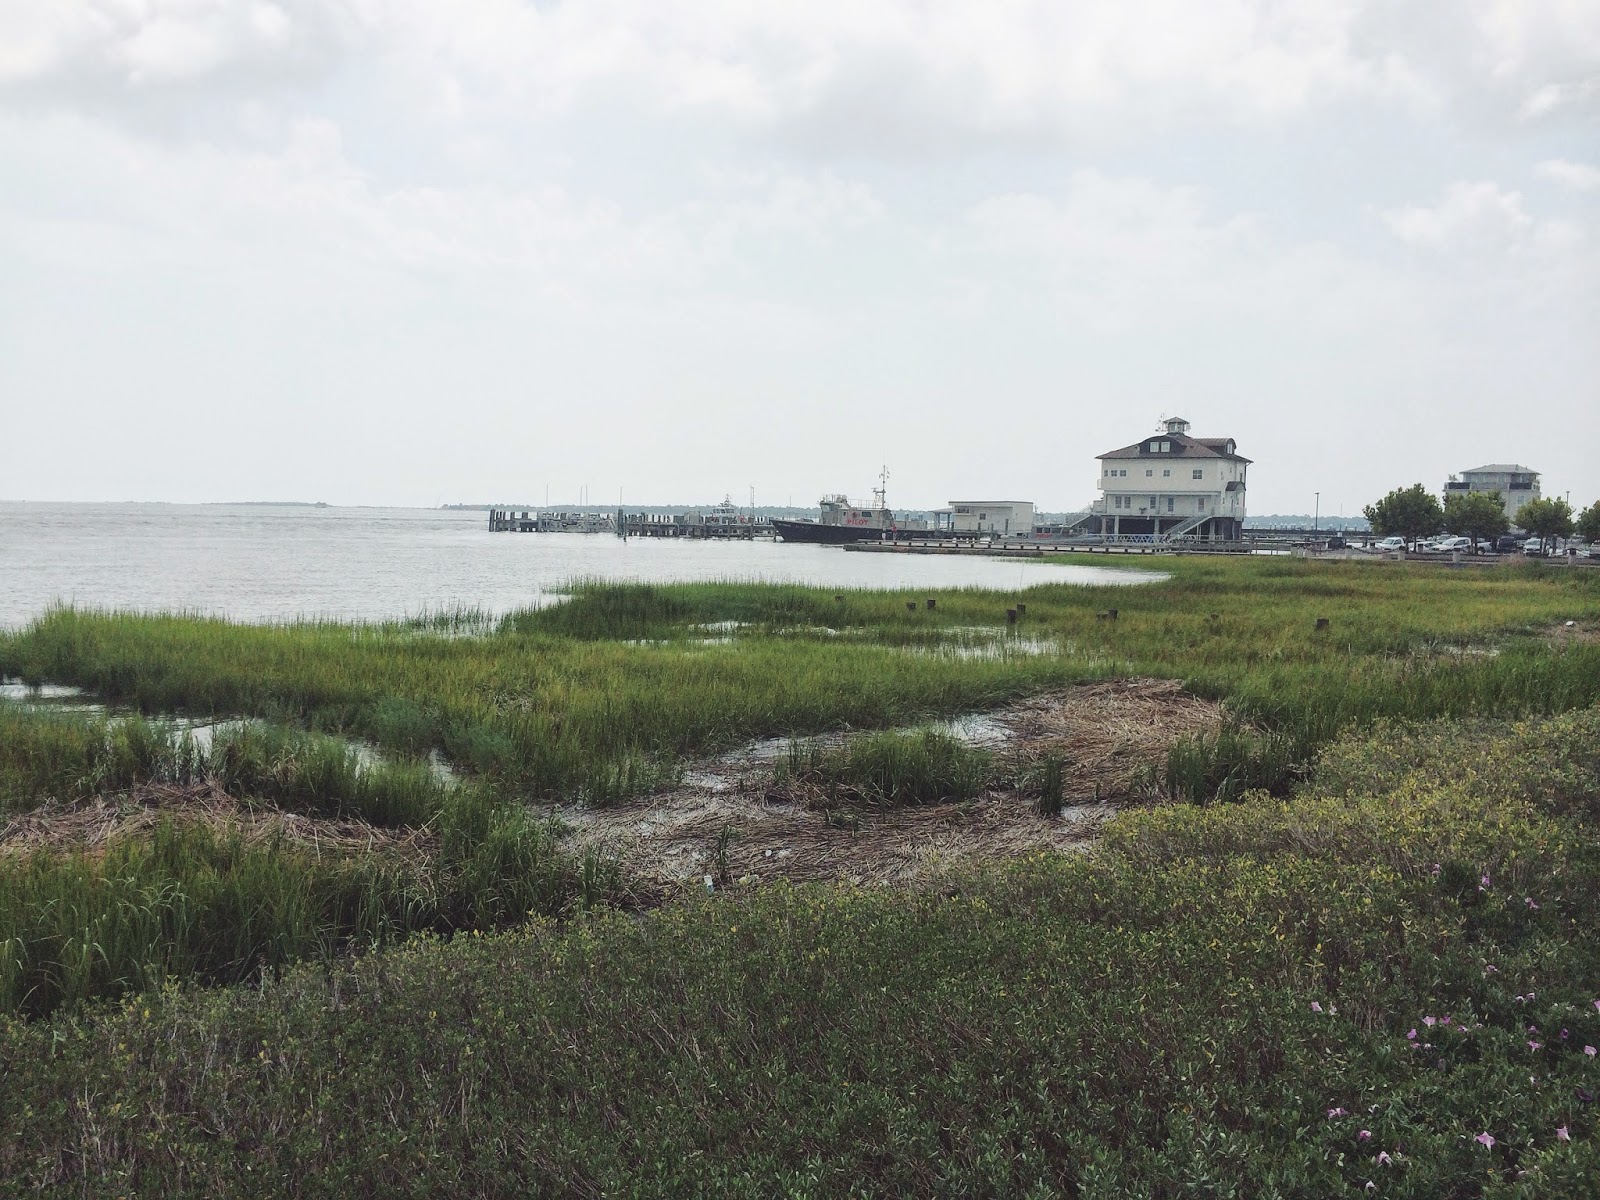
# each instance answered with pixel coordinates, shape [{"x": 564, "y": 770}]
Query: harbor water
[{"x": 281, "y": 562}]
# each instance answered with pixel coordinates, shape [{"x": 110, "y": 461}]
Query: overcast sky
[{"x": 417, "y": 251}]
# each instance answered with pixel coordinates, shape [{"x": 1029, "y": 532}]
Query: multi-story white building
[
  {"x": 1170, "y": 485},
  {"x": 1516, "y": 484}
]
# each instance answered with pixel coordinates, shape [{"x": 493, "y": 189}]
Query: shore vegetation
[{"x": 297, "y": 897}]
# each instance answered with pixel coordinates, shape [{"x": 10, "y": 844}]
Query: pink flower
[
  {"x": 1490, "y": 969},
  {"x": 1338, "y": 1112},
  {"x": 1364, "y": 1135},
  {"x": 1534, "y": 1045},
  {"x": 1562, "y": 1135},
  {"x": 1429, "y": 1022},
  {"x": 1485, "y": 1139},
  {"x": 1315, "y": 1007},
  {"x": 1532, "y": 903},
  {"x": 1589, "y": 1050},
  {"x": 1437, "y": 868},
  {"x": 1411, "y": 1035},
  {"x": 1383, "y": 1158},
  {"x": 1484, "y": 883},
  {"x": 1371, "y": 1187},
  {"x": 1597, "y": 1006}
]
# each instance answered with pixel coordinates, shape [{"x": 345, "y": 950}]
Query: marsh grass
[
  {"x": 886, "y": 770},
  {"x": 196, "y": 902},
  {"x": 562, "y": 702},
  {"x": 46, "y": 755}
]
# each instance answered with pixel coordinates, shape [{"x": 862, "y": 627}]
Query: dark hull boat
[{"x": 827, "y": 535}]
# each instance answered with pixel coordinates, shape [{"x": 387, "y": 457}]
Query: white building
[
  {"x": 1170, "y": 485},
  {"x": 1516, "y": 485},
  {"x": 999, "y": 518}
]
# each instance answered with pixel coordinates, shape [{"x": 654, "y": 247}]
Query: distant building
[
  {"x": 1516, "y": 484},
  {"x": 1004, "y": 518},
  {"x": 1172, "y": 485}
]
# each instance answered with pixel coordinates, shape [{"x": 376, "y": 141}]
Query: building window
[
  {"x": 1202, "y": 504},
  {"x": 1149, "y": 471},
  {"x": 1167, "y": 473},
  {"x": 1199, "y": 473},
  {"x": 1169, "y": 503}
]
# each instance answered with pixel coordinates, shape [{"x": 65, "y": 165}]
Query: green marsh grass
[
  {"x": 193, "y": 902},
  {"x": 47, "y": 755},
  {"x": 887, "y": 770},
  {"x": 563, "y": 702},
  {"x": 603, "y": 697}
]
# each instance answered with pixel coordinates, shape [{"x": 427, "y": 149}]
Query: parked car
[
  {"x": 1449, "y": 545},
  {"x": 1483, "y": 546},
  {"x": 1390, "y": 543},
  {"x": 1533, "y": 546},
  {"x": 1508, "y": 543}
]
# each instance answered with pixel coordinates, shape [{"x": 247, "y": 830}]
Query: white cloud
[
  {"x": 1580, "y": 177},
  {"x": 923, "y": 75},
  {"x": 1471, "y": 216}
]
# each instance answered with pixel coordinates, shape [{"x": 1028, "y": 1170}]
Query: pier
[{"x": 721, "y": 522}]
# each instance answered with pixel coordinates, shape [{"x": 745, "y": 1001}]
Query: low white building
[
  {"x": 1516, "y": 485},
  {"x": 998, "y": 518},
  {"x": 1172, "y": 485}
]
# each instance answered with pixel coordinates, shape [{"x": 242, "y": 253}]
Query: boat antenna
[{"x": 880, "y": 492}]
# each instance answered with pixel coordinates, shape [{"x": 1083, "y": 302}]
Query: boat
[{"x": 841, "y": 521}]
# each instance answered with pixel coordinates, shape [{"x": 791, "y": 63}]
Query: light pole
[{"x": 1316, "y": 517}]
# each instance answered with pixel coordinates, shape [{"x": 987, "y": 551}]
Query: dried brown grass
[
  {"x": 89, "y": 826},
  {"x": 1109, "y": 736}
]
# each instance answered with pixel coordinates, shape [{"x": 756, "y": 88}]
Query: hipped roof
[{"x": 1183, "y": 446}]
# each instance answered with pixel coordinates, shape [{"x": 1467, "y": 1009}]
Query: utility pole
[{"x": 1316, "y": 518}]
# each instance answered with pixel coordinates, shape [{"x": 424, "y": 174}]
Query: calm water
[{"x": 259, "y": 563}]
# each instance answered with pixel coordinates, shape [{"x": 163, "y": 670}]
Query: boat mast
[{"x": 882, "y": 490}]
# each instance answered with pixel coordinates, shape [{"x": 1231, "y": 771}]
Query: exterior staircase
[{"x": 1187, "y": 526}]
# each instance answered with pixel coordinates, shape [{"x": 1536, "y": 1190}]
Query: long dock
[
  {"x": 717, "y": 523},
  {"x": 734, "y": 526}
]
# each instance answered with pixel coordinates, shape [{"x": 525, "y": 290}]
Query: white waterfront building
[
  {"x": 1172, "y": 485},
  {"x": 1002, "y": 518},
  {"x": 1516, "y": 484}
]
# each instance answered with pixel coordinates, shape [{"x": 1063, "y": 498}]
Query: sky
[{"x": 412, "y": 252}]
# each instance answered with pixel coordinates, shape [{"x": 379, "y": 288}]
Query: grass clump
[
  {"x": 46, "y": 756},
  {"x": 220, "y": 903},
  {"x": 886, "y": 770}
]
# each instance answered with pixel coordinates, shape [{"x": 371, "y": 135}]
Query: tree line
[{"x": 1414, "y": 513}]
